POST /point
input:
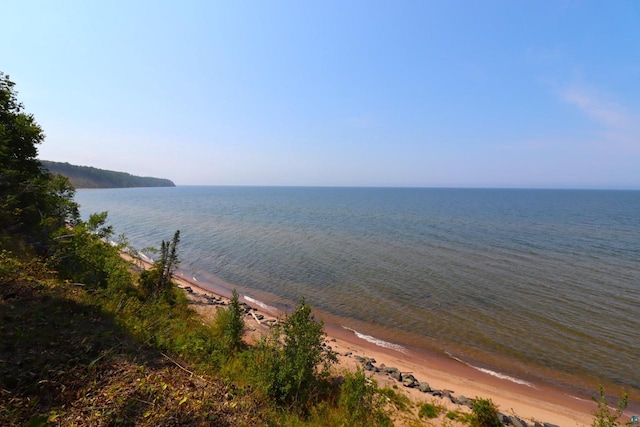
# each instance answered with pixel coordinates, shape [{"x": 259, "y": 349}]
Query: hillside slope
[{"x": 90, "y": 177}]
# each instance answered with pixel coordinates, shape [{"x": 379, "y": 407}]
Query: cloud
[
  {"x": 619, "y": 125},
  {"x": 605, "y": 112}
]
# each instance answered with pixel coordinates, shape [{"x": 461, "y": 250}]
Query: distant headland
[{"x": 90, "y": 177}]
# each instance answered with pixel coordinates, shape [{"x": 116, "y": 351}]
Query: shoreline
[{"x": 528, "y": 401}]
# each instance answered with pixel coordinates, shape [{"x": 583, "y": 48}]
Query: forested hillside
[
  {"x": 90, "y": 177},
  {"x": 88, "y": 338}
]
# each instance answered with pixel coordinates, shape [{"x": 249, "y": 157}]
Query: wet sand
[
  {"x": 532, "y": 403},
  {"x": 529, "y": 402}
]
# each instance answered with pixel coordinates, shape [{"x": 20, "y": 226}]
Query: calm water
[{"x": 540, "y": 285}]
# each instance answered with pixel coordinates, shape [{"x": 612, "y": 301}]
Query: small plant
[
  {"x": 452, "y": 415},
  {"x": 604, "y": 416},
  {"x": 157, "y": 280},
  {"x": 229, "y": 325},
  {"x": 401, "y": 402},
  {"x": 484, "y": 414},
  {"x": 430, "y": 410},
  {"x": 359, "y": 401}
]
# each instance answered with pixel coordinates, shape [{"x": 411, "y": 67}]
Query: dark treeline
[{"x": 90, "y": 177}]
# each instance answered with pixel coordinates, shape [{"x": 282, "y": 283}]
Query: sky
[{"x": 516, "y": 94}]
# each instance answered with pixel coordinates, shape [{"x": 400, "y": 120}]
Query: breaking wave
[
  {"x": 259, "y": 304},
  {"x": 376, "y": 341},
  {"x": 492, "y": 373}
]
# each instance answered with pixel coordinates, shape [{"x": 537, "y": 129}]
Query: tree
[
  {"x": 157, "y": 280},
  {"x": 32, "y": 201},
  {"x": 229, "y": 325},
  {"x": 604, "y": 416},
  {"x": 81, "y": 254},
  {"x": 293, "y": 361}
]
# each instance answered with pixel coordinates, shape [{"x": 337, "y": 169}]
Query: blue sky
[{"x": 356, "y": 93}]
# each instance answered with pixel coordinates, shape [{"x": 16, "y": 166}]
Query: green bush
[
  {"x": 157, "y": 281},
  {"x": 484, "y": 413},
  {"x": 291, "y": 364},
  {"x": 604, "y": 416},
  {"x": 399, "y": 400},
  {"x": 229, "y": 325},
  {"x": 359, "y": 401},
  {"x": 429, "y": 410}
]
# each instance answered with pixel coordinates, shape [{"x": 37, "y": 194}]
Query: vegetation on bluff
[
  {"x": 89, "y": 340},
  {"x": 90, "y": 177}
]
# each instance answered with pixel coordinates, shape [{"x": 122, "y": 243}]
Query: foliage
[
  {"x": 604, "y": 416},
  {"x": 81, "y": 255},
  {"x": 32, "y": 202},
  {"x": 157, "y": 280},
  {"x": 89, "y": 177},
  {"x": 453, "y": 415},
  {"x": 484, "y": 413},
  {"x": 430, "y": 410},
  {"x": 359, "y": 401},
  {"x": 90, "y": 347},
  {"x": 399, "y": 400},
  {"x": 229, "y": 325},
  {"x": 292, "y": 363},
  {"x": 72, "y": 357}
]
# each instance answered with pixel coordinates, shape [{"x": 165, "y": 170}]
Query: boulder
[
  {"x": 409, "y": 381},
  {"x": 424, "y": 386},
  {"x": 464, "y": 401},
  {"x": 396, "y": 375},
  {"x": 504, "y": 419},
  {"x": 517, "y": 422},
  {"x": 369, "y": 367},
  {"x": 390, "y": 369}
]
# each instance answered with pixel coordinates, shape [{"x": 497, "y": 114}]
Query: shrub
[
  {"x": 359, "y": 401},
  {"x": 484, "y": 413},
  {"x": 229, "y": 326},
  {"x": 401, "y": 402},
  {"x": 604, "y": 417},
  {"x": 292, "y": 363},
  {"x": 429, "y": 410},
  {"x": 156, "y": 282}
]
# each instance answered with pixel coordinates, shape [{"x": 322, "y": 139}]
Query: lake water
[{"x": 537, "y": 285}]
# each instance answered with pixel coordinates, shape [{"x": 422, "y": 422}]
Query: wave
[
  {"x": 376, "y": 341},
  {"x": 492, "y": 373},
  {"x": 259, "y": 303},
  {"x": 145, "y": 257}
]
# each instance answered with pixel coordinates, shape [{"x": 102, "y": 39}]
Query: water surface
[{"x": 539, "y": 285}]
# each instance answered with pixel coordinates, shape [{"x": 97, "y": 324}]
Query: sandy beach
[{"x": 531, "y": 403}]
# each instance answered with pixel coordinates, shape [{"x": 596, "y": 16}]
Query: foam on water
[
  {"x": 445, "y": 267},
  {"x": 493, "y": 373},
  {"x": 145, "y": 257},
  {"x": 259, "y": 304},
  {"x": 377, "y": 341}
]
